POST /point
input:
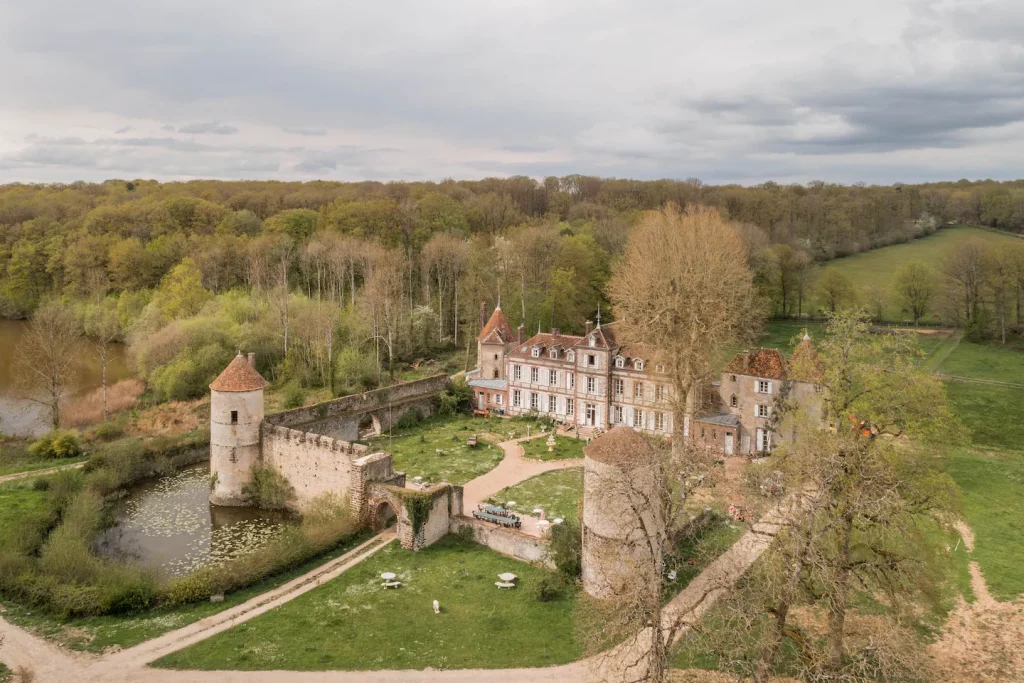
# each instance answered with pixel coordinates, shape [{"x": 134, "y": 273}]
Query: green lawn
[
  {"x": 20, "y": 505},
  {"x": 354, "y": 623},
  {"x": 566, "y": 448},
  {"x": 985, "y": 361},
  {"x": 415, "y": 449},
  {"x": 993, "y": 498},
  {"x": 879, "y": 265},
  {"x": 95, "y": 634},
  {"x": 993, "y": 413},
  {"x": 555, "y": 492}
]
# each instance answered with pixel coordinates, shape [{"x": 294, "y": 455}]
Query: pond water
[
  {"x": 169, "y": 524},
  {"x": 23, "y": 417}
]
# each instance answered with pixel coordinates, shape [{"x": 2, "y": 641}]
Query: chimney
[
  {"x": 252, "y": 359},
  {"x": 590, "y": 327},
  {"x": 746, "y": 360},
  {"x": 555, "y": 332},
  {"x": 521, "y": 333},
  {"x": 483, "y": 314}
]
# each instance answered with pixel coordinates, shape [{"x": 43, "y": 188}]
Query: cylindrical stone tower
[
  {"x": 622, "y": 518},
  {"x": 236, "y": 414}
]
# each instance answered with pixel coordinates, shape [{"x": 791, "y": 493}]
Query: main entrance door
[
  {"x": 591, "y": 415},
  {"x": 480, "y": 401}
]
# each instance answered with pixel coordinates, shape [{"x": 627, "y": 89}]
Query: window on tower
[{"x": 234, "y": 417}]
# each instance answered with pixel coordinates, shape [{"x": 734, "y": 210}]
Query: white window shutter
[
  {"x": 769, "y": 387},
  {"x": 757, "y": 387},
  {"x": 755, "y": 410}
]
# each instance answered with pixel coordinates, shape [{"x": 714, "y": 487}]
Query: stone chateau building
[{"x": 594, "y": 383}]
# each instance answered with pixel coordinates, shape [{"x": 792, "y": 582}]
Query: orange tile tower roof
[
  {"x": 239, "y": 375},
  {"x": 497, "y": 323}
]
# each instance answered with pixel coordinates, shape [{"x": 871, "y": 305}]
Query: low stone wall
[
  {"x": 359, "y": 404},
  {"x": 445, "y": 502},
  {"x": 507, "y": 541}
]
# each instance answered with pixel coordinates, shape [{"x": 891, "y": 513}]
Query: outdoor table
[
  {"x": 507, "y": 577},
  {"x": 388, "y": 576}
]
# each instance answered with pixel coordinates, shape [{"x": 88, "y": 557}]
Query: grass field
[
  {"x": 566, "y": 448},
  {"x": 985, "y": 361},
  {"x": 993, "y": 413},
  {"x": 879, "y": 265},
  {"x": 415, "y": 449},
  {"x": 95, "y": 634},
  {"x": 993, "y": 496},
  {"x": 20, "y": 503},
  {"x": 354, "y": 623},
  {"x": 554, "y": 492}
]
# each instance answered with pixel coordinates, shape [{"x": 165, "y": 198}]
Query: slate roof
[
  {"x": 497, "y": 330},
  {"x": 239, "y": 375},
  {"x": 492, "y": 384},
  {"x": 545, "y": 340},
  {"x": 767, "y": 363},
  {"x": 724, "y": 419}
]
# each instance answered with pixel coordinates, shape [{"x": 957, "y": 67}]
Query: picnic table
[
  {"x": 501, "y": 520},
  {"x": 495, "y": 510}
]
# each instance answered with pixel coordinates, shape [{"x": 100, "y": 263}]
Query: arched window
[
  {"x": 638, "y": 364},
  {"x": 495, "y": 373},
  {"x": 620, "y": 362},
  {"x": 571, "y": 356},
  {"x": 554, "y": 353},
  {"x": 732, "y": 401}
]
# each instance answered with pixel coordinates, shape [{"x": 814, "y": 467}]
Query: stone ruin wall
[{"x": 315, "y": 464}]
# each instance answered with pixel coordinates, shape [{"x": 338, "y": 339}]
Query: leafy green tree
[
  {"x": 915, "y": 285},
  {"x": 182, "y": 294},
  {"x": 835, "y": 292},
  {"x": 299, "y": 224}
]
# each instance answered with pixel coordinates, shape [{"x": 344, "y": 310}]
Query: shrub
[
  {"x": 409, "y": 419},
  {"x": 547, "y": 589},
  {"x": 187, "y": 589},
  {"x": 57, "y": 444},
  {"x": 268, "y": 490},
  {"x": 455, "y": 398},
  {"x": 108, "y": 431},
  {"x": 294, "y": 396},
  {"x": 355, "y": 372},
  {"x": 567, "y": 549},
  {"x": 63, "y": 485}
]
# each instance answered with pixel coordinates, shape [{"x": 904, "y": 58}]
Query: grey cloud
[
  {"x": 304, "y": 130},
  {"x": 214, "y": 127},
  {"x": 316, "y": 166},
  {"x": 123, "y": 129}
]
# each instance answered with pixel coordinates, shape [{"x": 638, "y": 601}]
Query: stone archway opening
[
  {"x": 369, "y": 426},
  {"x": 382, "y": 515}
]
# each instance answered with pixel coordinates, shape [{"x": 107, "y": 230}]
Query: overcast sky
[{"x": 725, "y": 90}]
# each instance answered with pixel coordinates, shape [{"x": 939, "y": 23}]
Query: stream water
[
  {"x": 169, "y": 524},
  {"x": 21, "y": 416}
]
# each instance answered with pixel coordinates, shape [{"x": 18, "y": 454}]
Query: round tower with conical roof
[{"x": 236, "y": 415}]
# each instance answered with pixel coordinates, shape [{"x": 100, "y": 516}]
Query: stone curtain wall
[
  {"x": 507, "y": 541},
  {"x": 359, "y": 404},
  {"x": 314, "y": 464}
]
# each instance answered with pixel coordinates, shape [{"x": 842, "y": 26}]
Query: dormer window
[
  {"x": 620, "y": 362},
  {"x": 638, "y": 364},
  {"x": 592, "y": 342},
  {"x": 553, "y": 353},
  {"x": 535, "y": 352},
  {"x": 571, "y": 356}
]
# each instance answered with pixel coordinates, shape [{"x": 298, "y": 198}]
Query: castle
[{"x": 593, "y": 383}]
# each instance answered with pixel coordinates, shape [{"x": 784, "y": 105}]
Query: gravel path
[
  {"x": 513, "y": 469},
  {"x": 40, "y": 473}
]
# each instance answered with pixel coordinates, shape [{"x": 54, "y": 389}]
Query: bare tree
[
  {"x": 965, "y": 268},
  {"x": 384, "y": 295},
  {"x": 103, "y": 327},
  {"x": 684, "y": 288},
  {"x": 46, "y": 357},
  {"x": 445, "y": 258}
]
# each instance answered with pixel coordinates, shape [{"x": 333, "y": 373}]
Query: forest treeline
[{"x": 329, "y": 280}]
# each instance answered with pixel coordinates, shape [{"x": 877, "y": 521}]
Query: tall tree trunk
[
  {"x": 103, "y": 370},
  {"x": 837, "y": 609}
]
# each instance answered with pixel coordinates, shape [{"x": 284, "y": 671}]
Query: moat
[{"x": 169, "y": 524}]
